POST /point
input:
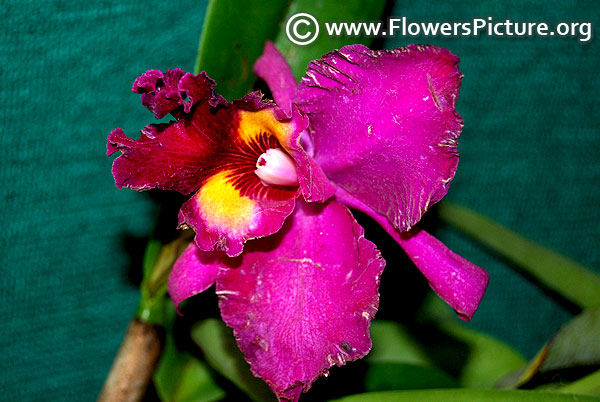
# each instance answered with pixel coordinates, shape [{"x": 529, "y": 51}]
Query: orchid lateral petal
[
  {"x": 457, "y": 281},
  {"x": 454, "y": 279},
  {"x": 276, "y": 72},
  {"x": 384, "y": 126},
  {"x": 302, "y": 300},
  {"x": 193, "y": 273}
]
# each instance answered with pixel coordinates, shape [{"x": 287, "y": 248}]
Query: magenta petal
[
  {"x": 384, "y": 126},
  {"x": 193, "y": 273},
  {"x": 275, "y": 71},
  {"x": 301, "y": 301},
  {"x": 164, "y": 92},
  {"x": 457, "y": 281}
]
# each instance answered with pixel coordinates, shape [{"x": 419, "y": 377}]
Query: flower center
[{"x": 276, "y": 168}]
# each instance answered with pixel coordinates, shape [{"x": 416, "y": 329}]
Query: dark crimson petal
[
  {"x": 193, "y": 273},
  {"x": 178, "y": 155},
  {"x": 167, "y": 156},
  {"x": 276, "y": 72},
  {"x": 162, "y": 92},
  {"x": 457, "y": 281},
  {"x": 302, "y": 300},
  {"x": 384, "y": 126}
]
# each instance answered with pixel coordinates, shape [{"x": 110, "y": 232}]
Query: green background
[{"x": 529, "y": 159}]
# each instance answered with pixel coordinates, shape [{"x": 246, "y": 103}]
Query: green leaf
[
  {"x": 180, "y": 377},
  {"x": 574, "y": 345},
  {"x": 393, "y": 343},
  {"x": 221, "y": 352},
  {"x": 476, "y": 359},
  {"x": 571, "y": 280},
  {"x": 393, "y": 376},
  {"x": 235, "y": 32},
  {"x": 157, "y": 265},
  {"x": 150, "y": 256},
  {"x": 233, "y": 37},
  {"x": 326, "y": 11},
  {"x": 588, "y": 385},
  {"x": 465, "y": 395},
  {"x": 488, "y": 359}
]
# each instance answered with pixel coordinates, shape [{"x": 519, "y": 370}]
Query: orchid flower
[{"x": 374, "y": 130}]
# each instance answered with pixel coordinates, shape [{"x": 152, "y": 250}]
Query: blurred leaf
[
  {"x": 392, "y": 343},
  {"x": 158, "y": 262},
  {"x": 588, "y": 385},
  {"x": 480, "y": 360},
  {"x": 576, "y": 344},
  {"x": 221, "y": 352},
  {"x": 156, "y": 284},
  {"x": 394, "y": 376},
  {"x": 233, "y": 37},
  {"x": 150, "y": 257},
  {"x": 465, "y": 395},
  {"x": 488, "y": 359},
  {"x": 326, "y": 11},
  {"x": 571, "y": 280},
  {"x": 180, "y": 377}
]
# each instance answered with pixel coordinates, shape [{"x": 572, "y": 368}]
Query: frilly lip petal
[
  {"x": 297, "y": 305},
  {"x": 223, "y": 219},
  {"x": 383, "y": 125},
  {"x": 213, "y": 147},
  {"x": 154, "y": 160},
  {"x": 162, "y": 92}
]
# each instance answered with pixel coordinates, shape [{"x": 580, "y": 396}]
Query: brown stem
[{"x": 134, "y": 364}]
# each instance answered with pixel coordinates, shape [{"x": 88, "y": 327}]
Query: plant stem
[{"x": 134, "y": 364}]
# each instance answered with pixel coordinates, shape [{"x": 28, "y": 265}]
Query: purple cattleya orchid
[{"x": 370, "y": 130}]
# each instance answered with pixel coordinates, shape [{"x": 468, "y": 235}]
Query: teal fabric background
[{"x": 529, "y": 159}]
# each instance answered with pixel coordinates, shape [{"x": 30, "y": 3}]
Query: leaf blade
[
  {"x": 465, "y": 395},
  {"x": 232, "y": 38},
  {"x": 326, "y": 11},
  {"x": 180, "y": 377},
  {"x": 222, "y": 353}
]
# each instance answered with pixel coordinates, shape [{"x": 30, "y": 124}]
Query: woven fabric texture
[{"x": 529, "y": 159}]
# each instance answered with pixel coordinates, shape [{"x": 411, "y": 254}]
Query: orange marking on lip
[{"x": 253, "y": 123}]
